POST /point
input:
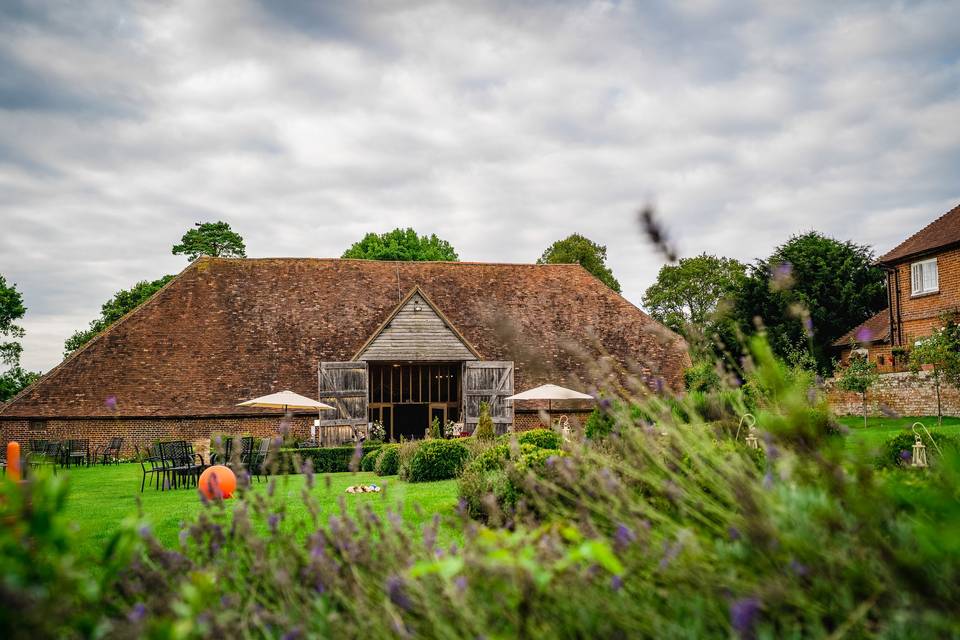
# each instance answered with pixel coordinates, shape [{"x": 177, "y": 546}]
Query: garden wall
[
  {"x": 145, "y": 431},
  {"x": 905, "y": 394},
  {"x": 524, "y": 420}
]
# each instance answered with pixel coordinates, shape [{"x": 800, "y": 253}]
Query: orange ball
[{"x": 217, "y": 481}]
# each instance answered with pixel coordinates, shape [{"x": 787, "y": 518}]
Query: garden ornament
[
  {"x": 918, "y": 458},
  {"x": 752, "y": 440}
]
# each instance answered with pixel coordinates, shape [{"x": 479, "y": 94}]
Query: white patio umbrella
[
  {"x": 550, "y": 392},
  {"x": 285, "y": 400}
]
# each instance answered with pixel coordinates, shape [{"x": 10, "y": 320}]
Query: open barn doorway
[{"x": 406, "y": 397}]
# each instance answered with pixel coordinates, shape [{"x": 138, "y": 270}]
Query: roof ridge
[
  {"x": 884, "y": 257},
  {"x": 369, "y": 260}
]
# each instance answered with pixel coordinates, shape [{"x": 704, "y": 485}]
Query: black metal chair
[
  {"x": 49, "y": 457},
  {"x": 110, "y": 453},
  {"x": 76, "y": 452},
  {"x": 258, "y": 459},
  {"x": 307, "y": 444},
  {"x": 181, "y": 464},
  {"x": 38, "y": 447},
  {"x": 222, "y": 454},
  {"x": 151, "y": 464}
]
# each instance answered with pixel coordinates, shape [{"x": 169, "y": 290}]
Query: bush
[
  {"x": 369, "y": 460},
  {"x": 484, "y": 430},
  {"x": 492, "y": 458},
  {"x": 702, "y": 377},
  {"x": 483, "y": 491},
  {"x": 388, "y": 463},
  {"x": 407, "y": 449},
  {"x": 537, "y": 460},
  {"x": 897, "y": 451},
  {"x": 437, "y": 460},
  {"x": 325, "y": 459},
  {"x": 599, "y": 425},
  {"x": 542, "y": 438}
]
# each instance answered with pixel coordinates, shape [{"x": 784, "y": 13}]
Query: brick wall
[
  {"x": 524, "y": 420},
  {"x": 903, "y": 393},
  {"x": 145, "y": 431},
  {"x": 920, "y": 314}
]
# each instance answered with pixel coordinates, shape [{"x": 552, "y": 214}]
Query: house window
[{"x": 923, "y": 277}]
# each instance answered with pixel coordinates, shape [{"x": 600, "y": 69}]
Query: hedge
[
  {"x": 437, "y": 460},
  {"x": 388, "y": 462},
  {"x": 541, "y": 438},
  {"x": 369, "y": 460},
  {"x": 325, "y": 459}
]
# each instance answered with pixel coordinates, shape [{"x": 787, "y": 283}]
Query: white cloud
[{"x": 501, "y": 129}]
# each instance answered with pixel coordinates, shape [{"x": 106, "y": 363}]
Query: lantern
[
  {"x": 919, "y": 457},
  {"x": 752, "y": 440}
]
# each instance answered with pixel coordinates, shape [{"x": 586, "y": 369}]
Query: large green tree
[
  {"x": 687, "y": 295},
  {"x": 211, "y": 239},
  {"x": 577, "y": 249},
  {"x": 401, "y": 244},
  {"x": 122, "y": 303},
  {"x": 14, "y": 377},
  {"x": 810, "y": 292}
]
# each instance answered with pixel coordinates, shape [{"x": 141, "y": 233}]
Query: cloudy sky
[{"x": 498, "y": 126}]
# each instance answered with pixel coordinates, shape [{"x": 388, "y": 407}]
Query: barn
[{"x": 397, "y": 342}]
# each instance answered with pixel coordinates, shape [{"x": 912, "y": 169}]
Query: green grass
[
  {"x": 878, "y": 430},
  {"x": 99, "y": 499}
]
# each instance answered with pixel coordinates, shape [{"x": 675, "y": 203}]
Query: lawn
[
  {"x": 878, "y": 430},
  {"x": 100, "y": 498}
]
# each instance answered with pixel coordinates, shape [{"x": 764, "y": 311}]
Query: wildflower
[
  {"x": 768, "y": 480},
  {"x": 308, "y": 473},
  {"x": 273, "y": 521},
  {"x": 623, "y": 537},
  {"x": 111, "y": 403},
  {"x": 864, "y": 335},
  {"x": 137, "y": 613},
  {"x": 461, "y": 583},
  {"x": 670, "y": 551},
  {"x": 798, "y": 568},
  {"x": 397, "y": 593},
  {"x": 904, "y": 454},
  {"x": 734, "y": 533},
  {"x": 743, "y": 616},
  {"x": 144, "y": 531},
  {"x": 605, "y": 404},
  {"x": 616, "y": 583}
]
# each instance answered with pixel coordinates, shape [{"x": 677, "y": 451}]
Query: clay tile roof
[
  {"x": 876, "y": 329},
  {"x": 942, "y": 232},
  {"x": 225, "y": 330}
]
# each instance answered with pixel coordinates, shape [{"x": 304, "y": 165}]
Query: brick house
[
  {"x": 398, "y": 342},
  {"x": 923, "y": 284}
]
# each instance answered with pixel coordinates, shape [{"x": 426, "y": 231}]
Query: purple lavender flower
[
  {"x": 734, "y": 533},
  {"x": 398, "y": 594},
  {"x": 137, "y": 613},
  {"x": 864, "y": 335},
  {"x": 623, "y": 537},
  {"x": 605, "y": 404},
  {"x": 670, "y": 551},
  {"x": 273, "y": 521},
  {"x": 743, "y": 616},
  {"x": 461, "y": 583},
  {"x": 144, "y": 531},
  {"x": 768, "y": 480},
  {"x": 798, "y": 568},
  {"x": 616, "y": 583},
  {"x": 904, "y": 454},
  {"x": 111, "y": 403}
]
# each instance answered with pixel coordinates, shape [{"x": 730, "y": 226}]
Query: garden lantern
[
  {"x": 919, "y": 457},
  {"x": 752, "y": 440}
]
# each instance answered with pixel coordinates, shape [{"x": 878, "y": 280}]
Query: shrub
[
  {"x": 897, "y": 451},
  {"x": 599, "y": 424},
  {"x": 325, "y": 459},
  {"x": 537, "y": 459},
  {"x": 485, "y": 491},
  {"x": 407, "y": 449},
  {"x": 485, "y": 430},
  {"x": 388, "y": 463},
  {"x": 542, "y": 438},
  {"x": 369, "y": 460},
  {"x": 492, "y": 458},
  {"x": 702, "y": 377},
  {"x": 437, "y": 460},
  {"x": 435, "y": 430}
]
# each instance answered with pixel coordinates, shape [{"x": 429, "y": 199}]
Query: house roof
[
  {"x": 225, "y": 330},
  {"x": 876, "y": 329},
  {"x": 942, "y": 232}
]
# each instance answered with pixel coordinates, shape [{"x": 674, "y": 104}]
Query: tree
[
  {"x": 211, "y": 239},
  {"x": 941, "y": 352},
  {"x": 14, "y": 378},
  {"x": 808, "y": 293},
  {"x": 484, "y": 430},
  {"x": 859, "y": 375},
  {"x": 577, "y": 249},
  {"x": 403, "y": 245},
  {"x": 122, "y": 303},
  {"x": 688, "y": 297}
]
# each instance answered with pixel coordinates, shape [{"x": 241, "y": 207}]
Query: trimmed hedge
[
  {"x": 388, "y": 461},
  {"x": 437, "y": 460},
  {"x": 369, "y": 460},
  {"x": 325, "y": 459},
  {"x": 541, "y": 438}
]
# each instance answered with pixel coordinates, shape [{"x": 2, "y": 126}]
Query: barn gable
[{"x": 417, "y": 331}]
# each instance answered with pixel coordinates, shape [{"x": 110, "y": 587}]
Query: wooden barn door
[
  {"x": 490, "y": 382},
  {"x": 343, "y": 385}
]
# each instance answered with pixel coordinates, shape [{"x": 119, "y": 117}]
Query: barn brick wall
[
  {"x": 903, "y": 393},
  {"x": 525, "y": 420},
  {"x": 145, "y": 431}
]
